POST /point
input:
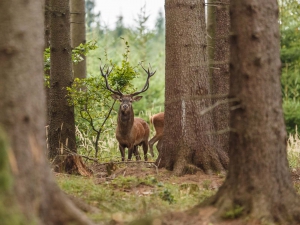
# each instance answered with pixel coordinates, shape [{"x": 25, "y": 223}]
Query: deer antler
[
  {"x": 146, "y": 86},
  {"x": 118, "y": 92}
]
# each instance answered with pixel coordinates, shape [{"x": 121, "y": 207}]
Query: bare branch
[{"x": 217, "y": 104}]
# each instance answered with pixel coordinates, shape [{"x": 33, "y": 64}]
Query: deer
[
  {"x": 158, "y": 122},
  {"x": 131, "y": 131}
]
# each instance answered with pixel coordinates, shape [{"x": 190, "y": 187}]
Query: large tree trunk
[
  {"x": 189, "y": 141},
  {"x": 28, "y": 193},
  {"x": 62, "y": 122},
  {"x": 258, "y": 181},
  {"x": 218, "y": 53},
  {"x": 77, "y": 8}
]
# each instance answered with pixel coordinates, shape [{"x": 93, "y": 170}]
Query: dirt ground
[{"x": 104, "y": 172}]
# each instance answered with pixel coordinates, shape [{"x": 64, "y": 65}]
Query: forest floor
[{"x": 135, "y": 193}]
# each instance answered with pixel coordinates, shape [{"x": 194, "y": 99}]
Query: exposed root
[{"x": 72, "y": 164}]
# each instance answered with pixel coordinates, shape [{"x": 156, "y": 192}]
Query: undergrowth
[
  {"x": 293, "y": 147},
  {"x": 127, "y": 198}
]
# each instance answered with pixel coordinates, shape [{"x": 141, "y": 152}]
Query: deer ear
[
  {"x": 137, "y": 98},
  {"x": 115, "y": 97}
]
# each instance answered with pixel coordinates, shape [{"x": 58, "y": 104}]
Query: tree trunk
[
  {"x": 218, "y": 53},
  {"x": 189, "y": 141},
  {"x": 258, "y": 181},
  {"x": 77, "y": 8},
  {"x": 27, "y": 187},
  {"x": 62, "y": 123}
]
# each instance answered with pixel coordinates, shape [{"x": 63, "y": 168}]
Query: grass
[
  {"x": 124, "y": 199},
  {"x": 131, "y": 197},
  {"x": 293, "y": 147}
]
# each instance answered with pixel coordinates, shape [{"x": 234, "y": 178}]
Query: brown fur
[
  {"x": 131, "y": 132},
  {"x": 158, "y": 121}
]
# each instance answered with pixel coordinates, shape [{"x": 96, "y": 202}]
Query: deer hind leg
[
  {"x": 136, "y": 152},
  {"x": 122, "y": 150},
  {"x": 145, "y": 149},
  {"x": 151, "y": 143}
]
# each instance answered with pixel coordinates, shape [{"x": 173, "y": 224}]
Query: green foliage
[
  {"x": 122, "y": 75},
  {"x": 166, "y": 195},
  {"x": 82, "y": 49},
  {"x": 47, "y": 63},
  {"x": 289, "y": 28},
  {"x": 91, "y": 99},
  {"x": 148, "y": 46},
  {"x": 290, "y": 57},
  {"x": 77, "y": 53},
  {"x": 292, "y": 115},
  {"x": 290, "y": 81}
]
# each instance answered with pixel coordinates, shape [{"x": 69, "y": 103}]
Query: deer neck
[{"x": 125, "y": 121}]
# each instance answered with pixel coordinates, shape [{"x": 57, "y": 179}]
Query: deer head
[{"x": 126, "y": 100}]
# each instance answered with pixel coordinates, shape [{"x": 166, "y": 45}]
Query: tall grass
[{"x": 293, "y": 150}]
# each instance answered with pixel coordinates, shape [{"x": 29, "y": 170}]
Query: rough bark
[
  {"x": 77, "y": 8},
  {"x": 188, "y": 140},
  {"x": 62, "y": 122},
  {"x": 218, "y": 53},
  {"x": 258, "y": 182},
  {"x": 32, "y": 190}
]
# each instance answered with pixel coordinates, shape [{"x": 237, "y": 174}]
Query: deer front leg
[
  {"x": 122, "y": 150},
  {"x": 130, "y": 150}
]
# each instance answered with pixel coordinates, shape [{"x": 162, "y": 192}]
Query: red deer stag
[
  {"x": 130, "y": 132},
  {"x": 158, "y": 122}
]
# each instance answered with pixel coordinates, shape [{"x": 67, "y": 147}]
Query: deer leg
[
  {"x": 151, "y": 143},
  {"x": 136, "y": 152},
  {"x": 122, "y": 150},
  {"x": 145, "y": 149},
  {"x": 130, "y": 150}
]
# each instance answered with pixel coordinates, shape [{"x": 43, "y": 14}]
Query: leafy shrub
[
  {"x": 166, "y": 195},
  {"x": 291, "y": 114}
]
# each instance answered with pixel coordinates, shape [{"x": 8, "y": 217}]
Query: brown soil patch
[{"x": 105, "y": 172}]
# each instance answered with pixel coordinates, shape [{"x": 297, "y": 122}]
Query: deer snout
[{"x": 124, "y": 107}]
